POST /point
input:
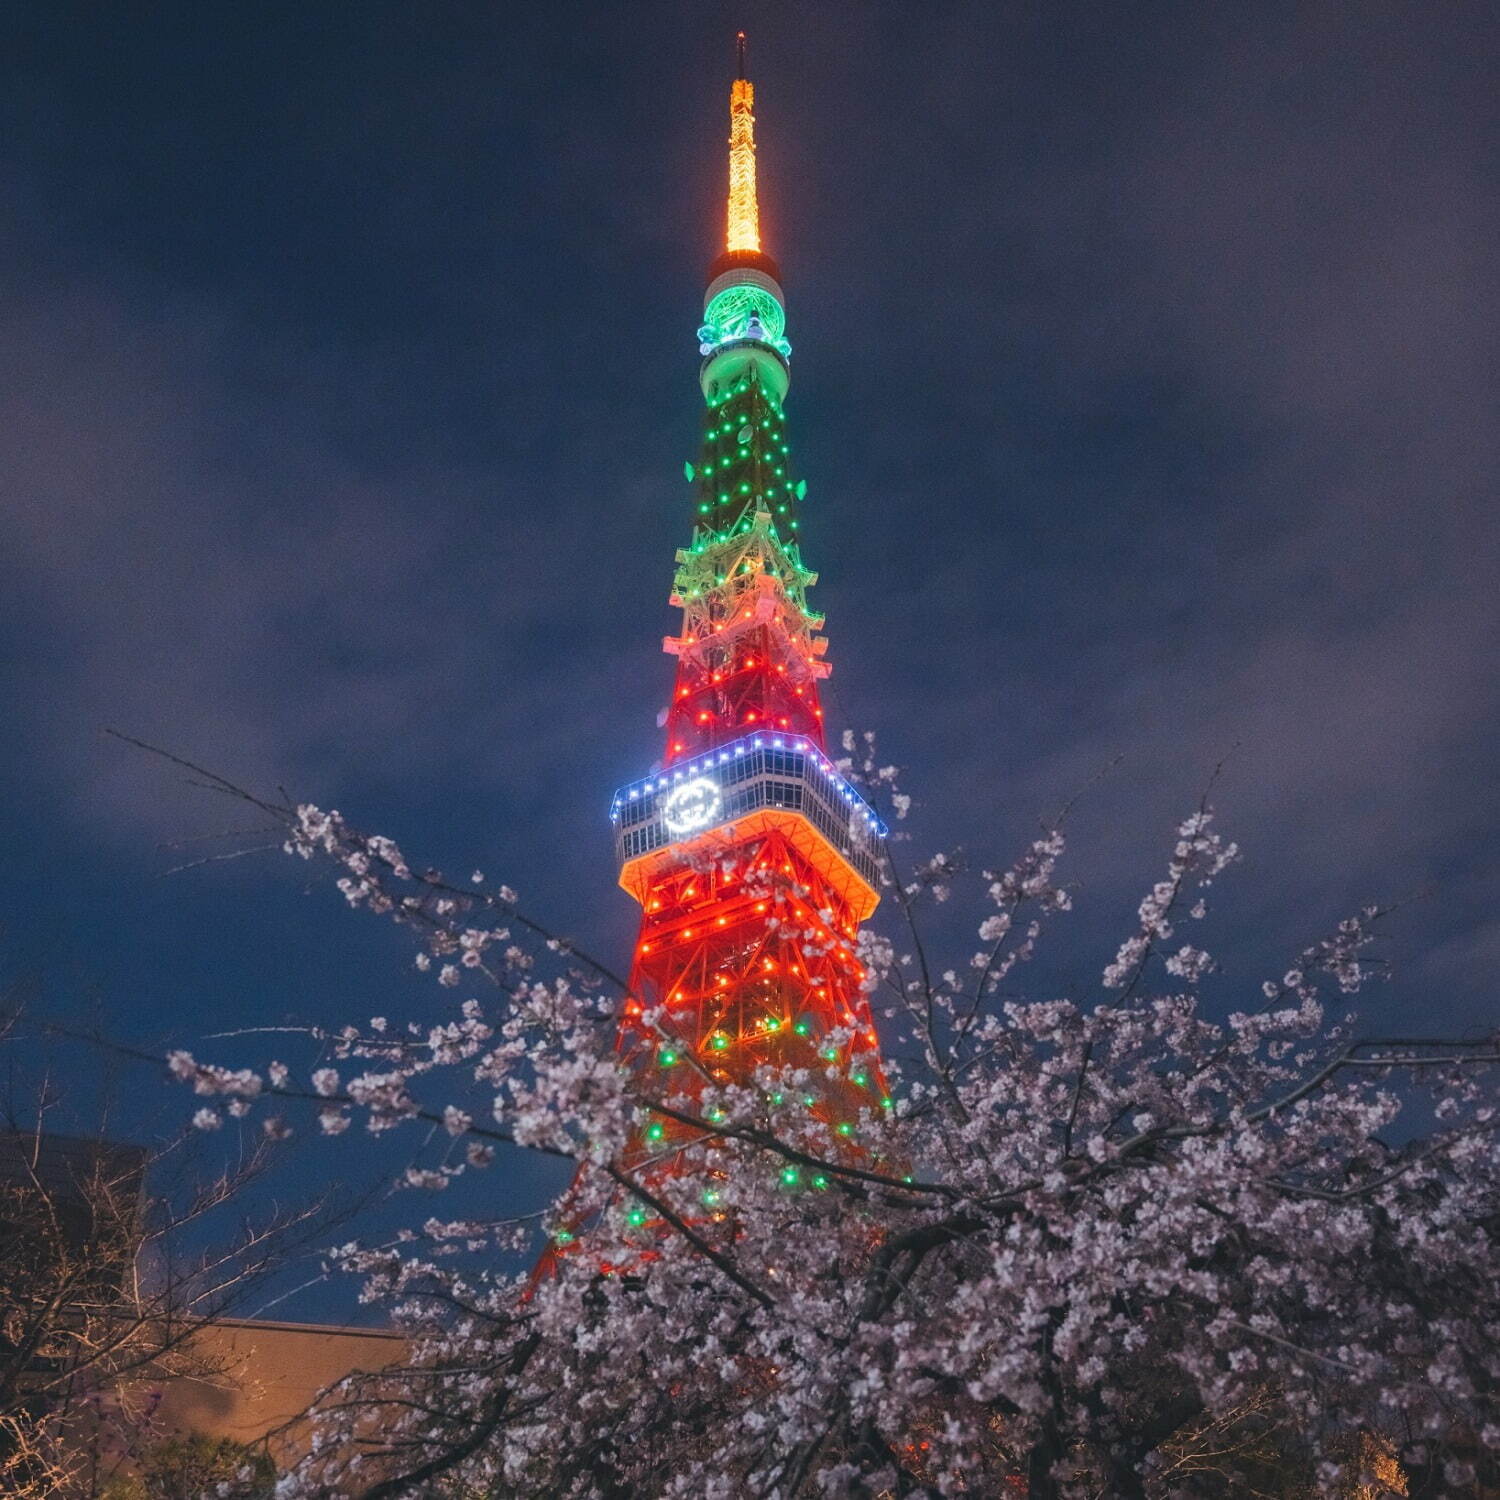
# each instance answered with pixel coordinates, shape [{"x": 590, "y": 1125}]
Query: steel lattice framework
[
  {"x": 743, "y": 219},
  {"x": 753, "y": 859}
]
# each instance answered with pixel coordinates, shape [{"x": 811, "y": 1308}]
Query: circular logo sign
[{"x": 694, "y": 804}]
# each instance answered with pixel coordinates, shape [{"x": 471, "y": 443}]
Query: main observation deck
[{"x": 778, "y": 777}]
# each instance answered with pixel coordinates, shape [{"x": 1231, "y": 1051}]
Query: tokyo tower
[{"x": 754, "y": 860}]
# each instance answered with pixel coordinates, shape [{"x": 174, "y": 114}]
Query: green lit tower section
[{"x": 750, "y": 654}]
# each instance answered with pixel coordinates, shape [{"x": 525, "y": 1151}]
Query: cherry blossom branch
[
  {"x": 688, "y": 1233},
  {"x": 286, "y": 817}
]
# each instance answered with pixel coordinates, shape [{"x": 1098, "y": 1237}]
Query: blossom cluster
[{"x": 1099, "y": 1243}]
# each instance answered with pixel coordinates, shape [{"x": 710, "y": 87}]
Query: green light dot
[
  {"x": 820, "y": 1181},
  {"x": 801, "y": 1028},
  {"x": 809, "y": 1100},
  {"x": 772, "y": 1023},
  {"x": 636, "y": 1216},
  {"x": 655, "y": 1132},
  {"x": 845, "y": 1128},
  {"x": 563, "y": 1237},
  {"x": 789, "y": 1176},
  {"x": 711, "y": 1195},
  {"x": 860, "y": 1079},
  {"x": 667, "y": 1056},
  {"x": 718, "y": 1041},
  {"x": 778, "y": 1098},
  {"x": 887, "y": 1103}
]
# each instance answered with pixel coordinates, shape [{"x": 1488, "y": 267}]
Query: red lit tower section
[{"x": 754, "y": 861}]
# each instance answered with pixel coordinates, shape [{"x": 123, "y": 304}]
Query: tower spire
[{"x": 744, "y": 214}]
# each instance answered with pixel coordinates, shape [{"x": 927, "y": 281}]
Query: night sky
[{"x": 1144, "y": 378}]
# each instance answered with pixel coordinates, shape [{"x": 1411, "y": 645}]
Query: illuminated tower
[{"x": 753, "y": 859}]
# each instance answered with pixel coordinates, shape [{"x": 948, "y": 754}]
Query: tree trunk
[{"x": 1041, "y": 1464}]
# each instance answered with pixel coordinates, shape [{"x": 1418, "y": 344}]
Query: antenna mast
[{"x": 744, "y": 214}]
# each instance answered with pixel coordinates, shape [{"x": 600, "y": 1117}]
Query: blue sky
[{"x": 1144, "y": 377}]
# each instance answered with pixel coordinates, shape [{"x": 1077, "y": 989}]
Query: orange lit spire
[{"x": 744, "y": 216}]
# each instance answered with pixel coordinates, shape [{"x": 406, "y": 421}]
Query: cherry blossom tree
[
  {"x": 101, "y": 1304},
  {"x": 1111, "y": 1244}
]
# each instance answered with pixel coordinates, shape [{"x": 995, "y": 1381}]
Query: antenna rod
[
  {"x": 744, "y": 215},
  {"x": 739, "y": 47}
]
